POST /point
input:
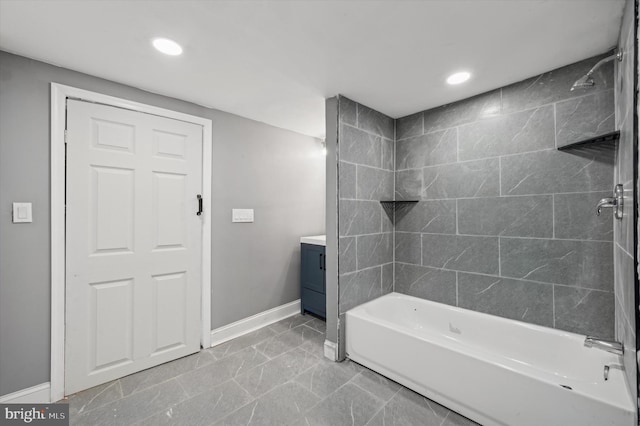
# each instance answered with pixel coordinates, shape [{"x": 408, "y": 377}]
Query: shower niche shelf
[
  {"x": 606, "y": 138},
  {"x": 397, "y": 209}
]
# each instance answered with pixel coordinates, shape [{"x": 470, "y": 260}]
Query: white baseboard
[
  {"x": 247, "y": 325},
  {"x": 330, "y": 350},
  {"x": 39, "y": 394}
]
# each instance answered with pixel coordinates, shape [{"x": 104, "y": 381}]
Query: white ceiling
[{"x": 276, "y": 61}]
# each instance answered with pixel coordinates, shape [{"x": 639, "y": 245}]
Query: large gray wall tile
[
  {"x": 583, "y": 118},
  {"x": 575, "y": 217},
  {"x": 408, "y": 184},
  {"x": 530, "y": 216},
  {"x": 408, "y": 248},
  {"x": 584, "y": 311},
  {"x": 388, "y": 154},
  {"x": 409, "y": 126},
  {"x": 530, "y": 130},
  {"x": 624, "y": 284},
  {"x": 427, "y": 150},
  {"x": 359, "y": 287},
  {"x": 374, "y": 250},
  {"x": 359, "y": 217},
  {"x": 554, "y": 86},
  {"x": 374, "y": 184},
  {"x": 470, "y": 254},
  {"x": 387, "y": 278},
  {"x": 358, "y": 146},
  {"x": 587, "y": 264},
  {"x": 479, "y": 107},
  {"x": 427, "y": 283},
  {"x": 461, "y": 180},
  {"x": 552, "y": 171},
  {"x": 346, "y": 255},
  {"x": 436, "y": 217},
  {"x": 515, "y": 299},
  {"x": 347, "y": 111},
  {"x": 375, "y": 122},
  {"x": 347, "y": 180}
]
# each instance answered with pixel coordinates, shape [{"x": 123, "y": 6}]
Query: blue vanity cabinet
[{"x": 312, "y": 279}]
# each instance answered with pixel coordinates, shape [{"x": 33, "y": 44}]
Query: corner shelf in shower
[
  {"x": 396, "y": 209},
  {"x": 607, "y": 137}
]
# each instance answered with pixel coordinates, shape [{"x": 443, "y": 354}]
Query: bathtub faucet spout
[{"x": 606, "y": 345}]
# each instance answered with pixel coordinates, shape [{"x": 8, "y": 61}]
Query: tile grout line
[
  {"x": 553, "y": 304},
  {"x": 499, "y": 258},
  {"x": 553, "y": 216}
]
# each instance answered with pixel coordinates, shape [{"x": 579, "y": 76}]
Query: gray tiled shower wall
[
  {"x": 365, "y": 176},
  {"x": 624, "y": 281},
  {"x": 506, "y": 224}
]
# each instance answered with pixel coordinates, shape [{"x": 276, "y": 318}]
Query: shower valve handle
[{"x": 605, "y": 202}]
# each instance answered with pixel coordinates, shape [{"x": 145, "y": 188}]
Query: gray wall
[
  {"x": 365, "y": 176},
  {"x": 624, "y": 230},
  {"x": 255, "y": 266},
  {"x": 506, "y": 224}
]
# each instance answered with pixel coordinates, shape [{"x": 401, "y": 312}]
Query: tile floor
[{"x": 276, "y": 375}]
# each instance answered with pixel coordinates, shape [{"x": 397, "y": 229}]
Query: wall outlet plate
[
  {"x": 242, "y": 215},
  {"x": 22, "y": 213}
]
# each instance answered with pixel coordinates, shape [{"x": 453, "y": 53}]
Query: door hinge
[{"x": 65, "y": 136}]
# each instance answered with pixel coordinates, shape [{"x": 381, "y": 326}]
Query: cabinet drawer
[{"x": 313, "y": 301}]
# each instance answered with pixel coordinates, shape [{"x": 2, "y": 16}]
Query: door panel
[
  {"x": 134, "y": 242},
  {"x": 111, "y": 210},
  {"x": 111, "y": 343}
]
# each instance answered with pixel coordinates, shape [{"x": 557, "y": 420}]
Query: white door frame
[{"x": 59, "y": 95}]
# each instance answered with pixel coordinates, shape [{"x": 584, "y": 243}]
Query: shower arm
[{"x": 617, "y": 55}]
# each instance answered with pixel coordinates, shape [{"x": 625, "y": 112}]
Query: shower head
[
  {"x": 583, "y": 83},
  {"x": 587, "y": 81}
]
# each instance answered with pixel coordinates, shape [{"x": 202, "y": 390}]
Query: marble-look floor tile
[
  {"x": 95, "y": 397},
  {"x": 326, "y": 376},
  {"x": 245, "y": 387},
  {"x": 152, "y": 376},
  {"x": 205, "y": 378},
  {"x": 283, "y": 342},
  {"x": 316, "y": 323},
  {"x": 280, "y": 406},
  {"x": 289, "y": 323},
  {"x": 277, "y": 371},
  {"x": 203, "y": 409},
  {"x": 378, "y": 385},
  {"x": 135, "y": 407},
  {"x": 410, "y": 408},
  {"x": 349, "y": 405},
  {"x": 242, "y": 342}
]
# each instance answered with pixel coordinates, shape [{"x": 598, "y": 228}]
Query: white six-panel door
[{"x": 134, "y": 242}]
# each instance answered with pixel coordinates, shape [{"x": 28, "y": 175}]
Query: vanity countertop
[{"x": 318, "y": 240}]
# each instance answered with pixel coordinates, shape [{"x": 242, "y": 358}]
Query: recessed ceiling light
[
  {"x": 459, "y": 77},
  {"x": 166, "y": 46}
]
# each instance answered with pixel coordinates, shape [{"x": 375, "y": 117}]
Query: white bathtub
[{"x": 492, "y": 370}]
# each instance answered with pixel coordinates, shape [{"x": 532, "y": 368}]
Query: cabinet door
[{"x": 312, "y": 269}]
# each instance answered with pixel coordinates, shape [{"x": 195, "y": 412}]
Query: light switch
[
  {"x": 242, "y": 215},
  {"x": 22, "y": 213}
]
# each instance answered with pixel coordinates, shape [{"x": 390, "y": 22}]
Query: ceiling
[{"x": 276, "y": 61}]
